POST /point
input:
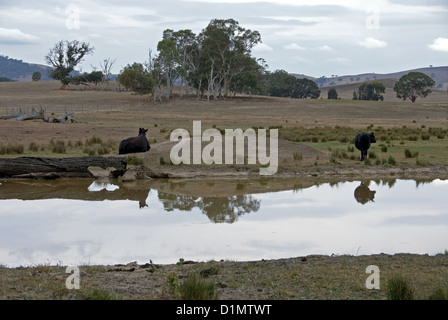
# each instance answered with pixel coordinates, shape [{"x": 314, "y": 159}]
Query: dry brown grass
[{"x": 113, "y": 115}]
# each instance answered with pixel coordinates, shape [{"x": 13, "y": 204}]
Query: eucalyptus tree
[
  {"x": 168, "y": 62},
  {"x": 224, "y": 42},
  {"x": 65, "y": 56},
  {"x": 413, "y": 85},
  {"x": 371, "y": 91},
  {"x": 305, "y": 88},
  {"x": 186, "y": 45}
]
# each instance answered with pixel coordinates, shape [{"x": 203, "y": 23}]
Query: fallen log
[
  {"x": 40, "y": 115},
  {"x": 22, "y": 116},
  {"x": 51, "y": 168}
]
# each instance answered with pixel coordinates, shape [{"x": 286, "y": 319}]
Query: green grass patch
[
  {"x": 195, "y": 287},
  {"x": 60, "y": 148},
  {"x": 134, "y": 160},
  {"x": 399, "y": 146}
]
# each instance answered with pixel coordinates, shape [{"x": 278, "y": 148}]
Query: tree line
[{"x": 217, "y": 62}]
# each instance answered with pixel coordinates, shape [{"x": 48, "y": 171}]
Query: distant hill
[
  {"x": 438, "y": 74},
  {"x": 345, "y": 91},
  {"x": 21, "y": 71},
  {"x": 18, "y": 70}
]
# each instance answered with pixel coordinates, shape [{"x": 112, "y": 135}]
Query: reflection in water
[
  {"x": 363, "y": 194},
  {"x": 99, "y": 185},
  {"x": 217, "y": 209},
  {"x": 47, "y": 221}
]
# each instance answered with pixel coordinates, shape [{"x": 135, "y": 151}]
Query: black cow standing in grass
[
  {"x": 135, "y": 144},
  {"x": 363, "y": 141}
]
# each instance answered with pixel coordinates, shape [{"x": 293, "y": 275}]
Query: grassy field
[{"x": 407, "y": 133}]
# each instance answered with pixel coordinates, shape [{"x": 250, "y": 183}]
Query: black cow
[
  {"x": 135, "y": 144},
  {"x": 363, "y": 141}
]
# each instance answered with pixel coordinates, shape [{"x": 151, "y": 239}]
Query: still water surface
[{"x": 91, "y": 222}]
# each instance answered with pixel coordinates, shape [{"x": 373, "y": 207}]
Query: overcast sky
[{"x": 315, "y": 38}]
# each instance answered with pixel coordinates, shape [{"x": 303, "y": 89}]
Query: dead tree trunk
[
  {"x": 40, "y": 114},
  {"x": 22, "y": 116},
  {"x": 51, "y": 168},
  {"x": 69, "y": 116}
]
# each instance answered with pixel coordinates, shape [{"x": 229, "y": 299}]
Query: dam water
[{"x": 81, "y": 221}]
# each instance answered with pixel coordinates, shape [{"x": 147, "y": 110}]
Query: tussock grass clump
[
  {"x": 102, "y": 150},
  {"x": 391, "y": 160},
  {"x": 408, "y": 154},
  {"x": 96, "y": 145},
  {"x": 398, "y": 288},
  {"x": 194, "y": 287},
  {"x": 163, "y": 162},
  {"x": 33, "y": 147},
  {"x": 93, "y": 140},
  {"x": 89, "y": 151},
  {"x": 439, "y": 294},
  {"x": 58, "y": 146},
  {"x": 298, "y": 156},
  {"x": 134, "y": 160},
  {"x": 12, "y": 149}
]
